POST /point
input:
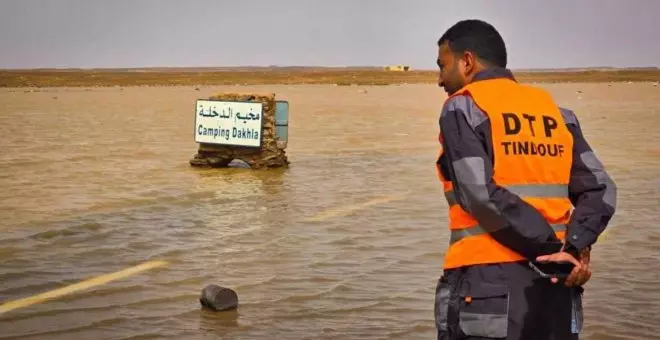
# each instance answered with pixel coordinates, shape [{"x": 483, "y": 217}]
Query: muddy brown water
[{"x": 345, "y": 244}]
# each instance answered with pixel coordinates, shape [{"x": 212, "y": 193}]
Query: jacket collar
[{"x": 494, "y": 73}]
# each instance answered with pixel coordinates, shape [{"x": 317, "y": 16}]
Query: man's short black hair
[{"x": 478, "y": 37}]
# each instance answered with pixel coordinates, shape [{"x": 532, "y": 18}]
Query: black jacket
[{"x": 466, "y": 133}]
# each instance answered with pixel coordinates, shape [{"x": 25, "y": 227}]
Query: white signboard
[{"x": 228, "y": 123}]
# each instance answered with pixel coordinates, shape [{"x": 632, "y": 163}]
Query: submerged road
[{"x": 112, "y": 235}]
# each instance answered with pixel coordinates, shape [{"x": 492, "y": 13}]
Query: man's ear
[{"x": 469, "y": 62}]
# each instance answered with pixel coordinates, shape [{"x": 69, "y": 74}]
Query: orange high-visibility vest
[{"x": 532, "y": 158}]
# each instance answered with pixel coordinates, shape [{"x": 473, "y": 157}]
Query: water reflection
[{"x": 218, "y": 323}]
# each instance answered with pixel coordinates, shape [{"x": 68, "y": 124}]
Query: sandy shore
[{"x": 287, "y": 76}]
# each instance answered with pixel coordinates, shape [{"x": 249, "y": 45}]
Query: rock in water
[{"x": 218, "y": 298}]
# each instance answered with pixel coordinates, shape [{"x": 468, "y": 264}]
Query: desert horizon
[
  {"x": 289, "y": 75},
  {"x": 160, "y": 68}
]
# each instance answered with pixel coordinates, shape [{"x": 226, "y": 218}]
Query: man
[{"x": 526, "y": 196}]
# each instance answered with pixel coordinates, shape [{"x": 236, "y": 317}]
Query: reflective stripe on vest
[
  {"x": 533, "y": 154},
  {"x": 525, "y": 190},
  {"x": 459, "y": 234}
]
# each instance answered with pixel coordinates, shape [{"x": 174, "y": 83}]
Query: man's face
[{"x": 452, "y": 77}]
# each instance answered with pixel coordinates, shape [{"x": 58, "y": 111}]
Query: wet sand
[{"x": 346, "y": 243}]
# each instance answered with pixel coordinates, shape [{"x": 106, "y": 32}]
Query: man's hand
[
  {"x": 561, "y": 257},
  {"x": 579, "y": 277},
  {"x": 580, "y": 273}
]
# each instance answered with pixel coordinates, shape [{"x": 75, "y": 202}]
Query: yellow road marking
[
  {"x": 347, "y": 209},
  {"x": 603, "y": 236},
  {"x": 97, "y": 281},
  {"x": 103, "y": 279}
]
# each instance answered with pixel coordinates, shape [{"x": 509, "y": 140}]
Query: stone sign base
[{"x": 270, "y": 155}]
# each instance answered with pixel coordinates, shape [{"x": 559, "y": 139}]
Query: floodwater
[{"x": 347, "y": 243}]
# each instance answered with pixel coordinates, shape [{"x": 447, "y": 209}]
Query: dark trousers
[{"x": 505, "y": 301}]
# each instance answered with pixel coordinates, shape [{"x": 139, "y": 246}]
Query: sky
[{"x": 198, "y": 33}]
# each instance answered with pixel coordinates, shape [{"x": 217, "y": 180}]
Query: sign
[
  {"x": 282, "y": 122},
  {"x": 228, "y": 123}
]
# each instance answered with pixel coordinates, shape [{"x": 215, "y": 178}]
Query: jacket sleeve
[
  {"x": 467, "y": 146},
  {"x": 591, "y": 190}
]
